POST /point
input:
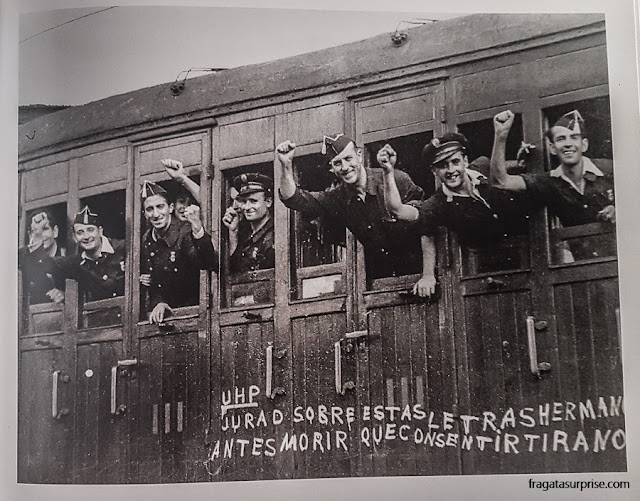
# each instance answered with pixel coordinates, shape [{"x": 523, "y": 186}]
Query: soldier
[
  {"x": 99, "y": 268},
  {"x": 576, "y": 191},
  {"x": 359, "y": 203},
  {"x": 39, "y": 284},
  {"x": 465, "y": 202},
  {"x": 250, "y": 224},
  {"x": 190, "y": 189},
  {"x": 173, "y": 252}
]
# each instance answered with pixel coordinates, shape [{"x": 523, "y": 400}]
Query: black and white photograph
[{"x": 280, "y": 244}]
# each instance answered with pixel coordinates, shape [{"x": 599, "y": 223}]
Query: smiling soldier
[
  {"x": 99, "y": 268},
  {"x": 173, "y": 252},
  {"x": 359, "y": 203},
  {"x": 250, "y": 224},
  {"x": 38, "y": 281},
  {"x": 466, "y": 203},
  {"x": 576, "y": 191}
]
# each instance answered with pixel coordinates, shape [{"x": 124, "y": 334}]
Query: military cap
[
  {"x": 572, "y": 121},
  {"x": 150, "y": 189},
  {"x": 441, "y": 148},
  {"x": 85, "y": 216},
  {"x": 332, "y": 146},
  {"x": 252, "y": 182}
]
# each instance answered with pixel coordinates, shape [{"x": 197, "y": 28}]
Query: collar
[
  {"x": 589, "y": 172},
  {"x": 265, "y": 228},
  {"x": 106, "y": 248},
  {"x": 374, "y": 179},
  {"x": 171, "y": 235},
  {"x": 476, "y": 178}
]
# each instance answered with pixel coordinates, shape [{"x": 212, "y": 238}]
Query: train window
[
  {"x": 401, "y": 253},
  {"x": 582, "y": 213},
  {"x": 316, "y": 245},
  {"x": 101, "y": 298},
  {"x": 45, "y": 236},
  {"x": 165, "y": 276},
  {"x": 248, "y": 258},
  {"x": 511, "y": 252}
]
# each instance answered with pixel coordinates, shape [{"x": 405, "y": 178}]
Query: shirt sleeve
[
  {"x": 407, "y": 188},
  {"x": 202, "y": 252},
  {"x": 538, "y": 186},
  {"x": 312, "y": 204},
  {"x": 429, "y": 215}
]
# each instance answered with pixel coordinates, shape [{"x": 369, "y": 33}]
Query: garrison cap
[
  {"x": 332, "y": 146},
  {"x": 441, "y": 148},
  {"x": 252, "y": 182},
  {"x": 85, "y": 216},
  {"x": 572, "y": 121},
  {"x": 150, "y": 189}
]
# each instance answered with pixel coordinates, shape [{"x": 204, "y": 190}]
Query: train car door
[
  {"x": 46, "y": 355},
  {"x": 581, "y": 299},
  {"x": 167, "y": 381},
  {"x": 101, "y": 438},
  {"x": 247, "y": 354},
  {"x": 406, "y": 358}
]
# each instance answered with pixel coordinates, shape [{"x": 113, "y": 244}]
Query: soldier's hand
[
  {"x": 387, "y": 158},
  {"x": 502, "y": 123},
  {"x": 145, "y": 279},
  {"x": 192, "y": 213},
  {"x": 159, "y": 312},
  {"x": 174, "y": 168},
  {"x": 56, "y": 295},
  {"x": 608, "y": 214},
  {"x": 231, "y": 219},
  {"x": 285, "y": 152},
  {"x": 425, "y": 287}
]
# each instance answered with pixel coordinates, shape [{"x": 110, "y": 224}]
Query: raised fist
[
  {"x": 285, "y": 152},
  {"x": 387, "y": 158},
  {"x": 502, "y": 122},
  {"x": 231, "y": 219},
  {"x": 174, "y": 168}
]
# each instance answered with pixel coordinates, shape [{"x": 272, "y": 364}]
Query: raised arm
[
  {"x": 502, "y": 123},
  {"x": 284, "y": 154},
  {"x": 175, "y": 169},
  {"x": 426, "y": 286},
  {"x": 387, "y": 159}
]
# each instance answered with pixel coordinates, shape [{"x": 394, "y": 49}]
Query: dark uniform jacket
[
  {"x": 574, "y": 208},
  {"x": 173, "y": 260},
  {"x": 97, "y": 279},
  {"x": 36, "y": 275},
  {"x": 254, "y": 252},
  {"x": 390, "y": 249},
  {"x": 565, "y": 201},
  {"x": 489, "y": 216}
]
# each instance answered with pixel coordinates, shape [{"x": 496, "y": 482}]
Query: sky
[{"x": 75, "y": 56}]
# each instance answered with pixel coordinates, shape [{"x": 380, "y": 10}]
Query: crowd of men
[{"x": 383, "y": 208}]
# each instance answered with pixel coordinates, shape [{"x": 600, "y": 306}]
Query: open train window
[
  {"x": 316, "y": 245},
  {"x": 102, "y": 300},
  {"x": 512, "y": 252},
  {"x": 582, "y": 215},
  {"x": 248, "y": 256},
  {"x": 45, "y": 236},
  {"x": 402, "y": 254},
  {"x": 181, "y": 285}
]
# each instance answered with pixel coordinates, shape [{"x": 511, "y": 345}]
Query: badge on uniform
[{"x": 172, "y": 257}]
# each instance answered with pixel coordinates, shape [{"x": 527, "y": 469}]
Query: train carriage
[{"x": 308, "y": 369}]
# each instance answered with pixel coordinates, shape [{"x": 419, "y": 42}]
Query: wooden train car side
[{"x": 308, "y": 370}]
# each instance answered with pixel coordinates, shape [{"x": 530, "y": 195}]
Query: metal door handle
[
  {"x": 115, "y": 409},
  {"x": 340, "y": 387},
  {"x": 269, "y": 390},
  {"x": 57, "y": 376},
  {"x": 536, "y": 368}
]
